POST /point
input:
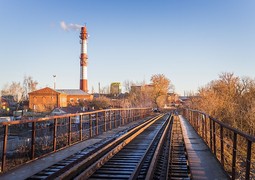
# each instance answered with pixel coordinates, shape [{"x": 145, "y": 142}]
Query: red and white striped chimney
[{"x": 84, "y": 60}]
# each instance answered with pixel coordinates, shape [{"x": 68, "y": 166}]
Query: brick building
[{"x": 46, "y": 99}]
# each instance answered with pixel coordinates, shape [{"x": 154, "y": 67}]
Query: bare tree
[
  {"x": 100, "y": 103},
  {"x": 231, "y": 99},
  {"x": 127, "y": 85},
  {"x": 160, "y": 88},
  {"x": 29, "y": 85},
  {"x": 105, "y": 90},
  {"x": 15, "y": 89},
  {"x": 18, "y": 91}
]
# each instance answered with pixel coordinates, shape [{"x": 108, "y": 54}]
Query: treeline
[
  {"x": 141, "y": 94},
  {"x": 20, "y": 90},
  {"x": 150, "y": 95},
  {"x": 230, "y": 99}
]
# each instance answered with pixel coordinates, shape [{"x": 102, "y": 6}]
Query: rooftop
[
  {"x": 69, "y": 110},
  {"x": 72, "y": 91}
]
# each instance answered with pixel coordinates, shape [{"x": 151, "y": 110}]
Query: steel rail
[
  {"x": 87, "y": 173},
  {"x": 164, "y": 128},
  {"x": 151, "y": 169}
]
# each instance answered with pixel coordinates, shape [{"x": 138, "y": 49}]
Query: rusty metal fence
[
  {"x": 234, "y": 149},
  {"x": 26, "y": 140}
]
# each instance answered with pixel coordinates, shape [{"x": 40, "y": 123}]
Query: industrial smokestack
[{"x": 84, "y": 60}]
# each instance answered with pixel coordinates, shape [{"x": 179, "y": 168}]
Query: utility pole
[
  {"x": 99, "y": 89},
  {"x": 54, "y": 76}
]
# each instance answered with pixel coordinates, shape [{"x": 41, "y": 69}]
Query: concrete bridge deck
[{"x": 203, "y": 164}]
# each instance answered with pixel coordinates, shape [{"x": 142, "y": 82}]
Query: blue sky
[{"x": 189, "y": 41}]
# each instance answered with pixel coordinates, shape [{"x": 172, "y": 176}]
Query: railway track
[
  {"x": 178, "y": 163},
  {"x": 145, "y": 151},
  {"x": 171, "y": 160},
  {"x": 134, "y": 159}
]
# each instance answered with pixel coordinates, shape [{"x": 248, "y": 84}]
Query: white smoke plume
[{"x": 69, "y": 27}]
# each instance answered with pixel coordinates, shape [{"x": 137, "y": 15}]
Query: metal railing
[
  {"x": 26, "y": 140},
  {"x": 234, "y": 149}
]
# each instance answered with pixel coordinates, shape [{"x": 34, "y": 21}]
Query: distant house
[
  {"x": 46, "y": 99},
  {"x": 7, "y": 104},
  {"x": 67, "y": 110},
  {"x": 4, "y": 103}
]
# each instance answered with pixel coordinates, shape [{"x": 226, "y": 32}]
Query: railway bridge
[{"x": 126, "y": 144}]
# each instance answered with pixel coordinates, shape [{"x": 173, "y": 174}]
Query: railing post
[
  {"x": 128, "y": 116},
  {"x": 90, "y": 126},
  {"x": 203, "y": 126},
  {"x": 4, "y": 147},
  {"x": 136, "y": 114},
  {"x": 234, "y": 156},
  {"x": 191, "y": 118},
  {"x": 33, "y": 141},
  {"x": 206, "y": 129},
  {"x": 221, "y": 146},
  {"x": 110, "y": 120},
  {"x": 214, "y": 139},
  {"x": 80, "y": 127},
  {"x": 197, "y": 122},
  {"x": 115, "y": 119},
  {"x": 97, "y": 129},
  {"x": 119, "y": 119},
  {"x": 133, "y": 114},
  {"x": 55, "y": 135},
  {"x": 125, "y": 116},
  {"x": 211, "y": 138},
  {"x": 104, "y": 121},
  {"x": 69, "y": 131},
  {"x": 122, "y": 117},
  {"x": 248, "y": 160}
]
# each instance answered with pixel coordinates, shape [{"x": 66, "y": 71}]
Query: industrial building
[
  {"x": 46, "y": 99},
  {"x": 142, "y": 88},
  {"x": 115, "y": 88}
]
